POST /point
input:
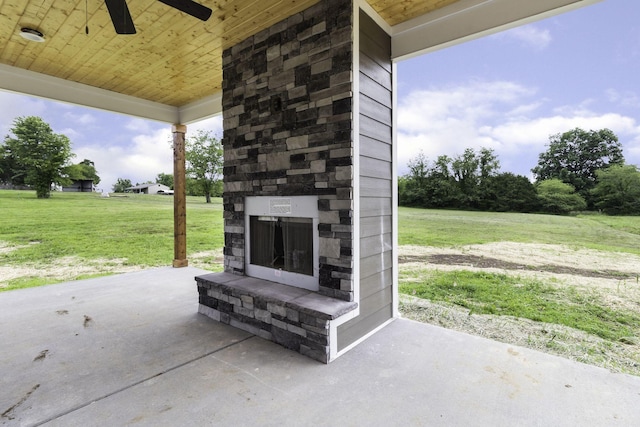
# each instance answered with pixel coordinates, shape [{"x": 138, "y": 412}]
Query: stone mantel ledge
[{"x": 302, "y": 300}]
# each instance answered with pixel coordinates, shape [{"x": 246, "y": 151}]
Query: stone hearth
[{"x": 295, "y": 318}]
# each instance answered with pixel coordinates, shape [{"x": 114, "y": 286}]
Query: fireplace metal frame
[{"x": 291, "y": 207}]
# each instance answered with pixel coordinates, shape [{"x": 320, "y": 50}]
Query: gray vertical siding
[{"x": 376, "y": 209}]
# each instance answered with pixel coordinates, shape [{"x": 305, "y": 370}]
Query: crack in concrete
[{"x": 125, "y": 388}]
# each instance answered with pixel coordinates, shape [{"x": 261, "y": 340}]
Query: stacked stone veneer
[
  {"x": 295, "y": 318},
  {"x": 287, "y": 114}
]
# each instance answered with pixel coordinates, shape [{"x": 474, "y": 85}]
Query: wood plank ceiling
[{"x": 174, "y": 59}]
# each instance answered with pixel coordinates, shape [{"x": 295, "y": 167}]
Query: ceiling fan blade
[
  {"x": 120, "y": 16},
  {"x": 192, "y": 8}
]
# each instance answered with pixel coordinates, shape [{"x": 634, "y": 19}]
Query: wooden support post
[{"x": 179, "y": 197}]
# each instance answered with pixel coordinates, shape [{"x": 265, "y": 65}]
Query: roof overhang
[
  {"x": 471, "y": 19},
  {"x": 457, "y": 22}
]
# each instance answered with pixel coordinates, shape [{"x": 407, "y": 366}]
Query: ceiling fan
[{"x": 123, "y": 23}]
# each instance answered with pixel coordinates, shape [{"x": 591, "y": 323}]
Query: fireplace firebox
[{"x": 282, "y": 240}]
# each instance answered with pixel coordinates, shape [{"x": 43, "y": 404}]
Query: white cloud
[
  {"x": 503, "y": 116},
  {"x": 13, "y": 105},
  {"x": 83, "y": 119},
  {"x": 448, "y": 105},
  {"x": 448, "y": 120},
  {"x": 139, "y": 125},
  {"x": 70, "y": 133},
  {"x": 529, "y": 35},
  {"x": 624, "y": 99},
  {"x": 213, "y": 124},
  {"x": 141, "y": 160}
]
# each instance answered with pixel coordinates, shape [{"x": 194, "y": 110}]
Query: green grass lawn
[
  {"x": 585, "y": 309},
  {"x": 136, "y": 227},
  {"x": 442, "y": 228},
  {"x": 139, "y": 228},
  {"x": 503, "y": 294}
]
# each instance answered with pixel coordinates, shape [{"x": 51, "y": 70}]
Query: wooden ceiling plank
[
  {"x": 14, "y": 44},
  {"x": 63, "y": 24},
  {"x": 74, "y": 57},
  {"x": 24, "y": 52},
  {"x": 108, "y": 44},
  {"x": 167, "y": 50},
  {"x": 160, "y": 62},
  {"x": 398, "y": 12},
  {"x": 203, "y": 39},
  {"x": 163, "y": 62},
  {"x": 86, "y": 46}
]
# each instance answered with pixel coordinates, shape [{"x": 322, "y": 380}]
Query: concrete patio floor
[{"x": 131, "y": 350}]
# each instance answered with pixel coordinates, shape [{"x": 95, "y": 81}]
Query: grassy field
[
  {"x": 443, "y": 228},
  {"x": 131, "y": 230},
  {"x": 46, "y": 241},
  {"x": 570, "y": 287}
]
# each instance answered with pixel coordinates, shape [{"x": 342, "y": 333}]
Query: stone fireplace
[{"x": 295, "y": 180}]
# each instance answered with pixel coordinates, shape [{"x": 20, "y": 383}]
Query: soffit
[
  {"x": 395, "y": 12},
  {"x": 174, "y": 59},
  {"x": 171, "y": 70}
]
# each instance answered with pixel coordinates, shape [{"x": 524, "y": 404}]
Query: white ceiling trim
[
  {"x": 27, "y": 82},
  {"x": 201, "y": 109},
  {"x": 470, "y": 19}
]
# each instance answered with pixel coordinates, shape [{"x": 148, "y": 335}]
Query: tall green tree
[
  {"x": 507, "y": 192},
  {"x": 472, "y": 171},
  {"x": 558, "y": 197},
  {"x": 465, "y": 171},
  {"x": 413, "y": 186},
  {"x": 37, "y": 156},
  {"x": 121, "y": 185},
  {"x": 203, "y": 153},
  {"x": 85, "y": 170},
  {"x": 8, "y": 168},
  {"x": 165, "y": 179},
  {"x": 574, "y": 157},
  {"x": 618, "y": 190},
  {"x": 460, "y": 182}
]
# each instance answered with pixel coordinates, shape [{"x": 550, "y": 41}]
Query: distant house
[
  {"x": 150, "y": 189},
  {"x": 79, "y": 186}
]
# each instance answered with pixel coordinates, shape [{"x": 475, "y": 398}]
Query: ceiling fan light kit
[{"x": 123, "y": 23}]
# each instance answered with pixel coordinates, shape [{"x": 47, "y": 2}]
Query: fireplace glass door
[{"x": 282, "y": 243}]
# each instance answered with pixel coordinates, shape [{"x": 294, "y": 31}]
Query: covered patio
[
  {"x": 131, "y": 349},
  {"x": 309, "y": 99}
]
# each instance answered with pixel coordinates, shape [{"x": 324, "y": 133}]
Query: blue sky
[
  {"x": 512, "y": 90},
  {"x": 508, "y": 92}
]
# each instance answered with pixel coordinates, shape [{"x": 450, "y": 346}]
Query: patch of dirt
[
  {"x": 208, "y": 260},
  {"x": 612, "y": 278},
  {"x": 485, "y": 262},
  {"x": 71, "y": 268},
  {"x": 87, "y": 321},
  {"x": 533, "y": 255},
  {"x": 41, "y": 356},
  {"x": 66, "y": 268},
  {"x": 6, "y": 248}
]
